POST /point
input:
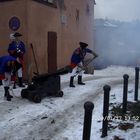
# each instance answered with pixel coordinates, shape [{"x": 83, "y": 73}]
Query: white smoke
[{"x": 123, "y": 10}]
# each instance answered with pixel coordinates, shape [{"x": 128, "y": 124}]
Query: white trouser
[
  {"x": 7, "y": 81},
  {"x": 76, "y": 71},
  {"x": 20, "y": 72}
]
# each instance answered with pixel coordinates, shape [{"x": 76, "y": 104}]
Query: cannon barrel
[{"x": 45, "y": 76}]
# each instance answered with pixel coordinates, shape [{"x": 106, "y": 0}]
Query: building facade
[{"x": 53, "y": 27}]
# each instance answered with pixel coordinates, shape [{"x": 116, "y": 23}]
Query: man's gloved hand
[
  {"x": 94, "y": 54},
  {"x": 16, "y": 67},
  {"x": 83, "y": 68}
]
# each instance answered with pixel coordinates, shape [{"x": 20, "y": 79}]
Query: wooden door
[{"x": 52, "y": 52}]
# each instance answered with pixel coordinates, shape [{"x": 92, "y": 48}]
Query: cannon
[{"x": 44, "y": 85}]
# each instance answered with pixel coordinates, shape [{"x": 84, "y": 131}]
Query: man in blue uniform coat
[
  {"x": 17, "y": 49},
  {"x": 8, "y": 67},
  {"x": 77, "y": 59}
]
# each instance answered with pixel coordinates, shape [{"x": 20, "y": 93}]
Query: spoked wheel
[
  {"x": 24, "y": 93},
  {"x": 59, "y": 94},
  {"x": 31, "y": 95},
  {"x": 34, "y": 96},
  {"x": 37, "y": 99}
]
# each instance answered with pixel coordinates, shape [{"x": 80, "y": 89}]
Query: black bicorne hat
[{"x": 83, "y": 44}]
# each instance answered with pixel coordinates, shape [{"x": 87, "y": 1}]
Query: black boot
[
  {"x": 6, "y": 91},
  {"x": 20, "y": 82},
  {"x": 14, "y": 86},
  {"x": 80, "y": 80},
  {"x": 0, "y": 82},
  {"x": 71, "y": 81},
  {"x": 7, "y": 94}
]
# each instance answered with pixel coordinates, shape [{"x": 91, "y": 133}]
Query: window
[{"x": 51, "y": 3}]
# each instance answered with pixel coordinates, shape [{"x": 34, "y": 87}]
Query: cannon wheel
[
  {"x": 33, "y": 96},
  {"x": 59, "y": 94},
  {"x": 24, "y": 93},
  {"x": 31, "y": 87},
  {"x": 37, "y": 99}
]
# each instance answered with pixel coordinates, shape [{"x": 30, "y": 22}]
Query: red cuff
[
  {"x": 2, "y": 76},
  {"x": 73, "y": 65}
]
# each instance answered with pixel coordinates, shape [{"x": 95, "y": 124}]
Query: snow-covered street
[{"x": 62, "y": 118}]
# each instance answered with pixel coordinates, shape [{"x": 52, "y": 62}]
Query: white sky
[{"x": 123, "y": 10}]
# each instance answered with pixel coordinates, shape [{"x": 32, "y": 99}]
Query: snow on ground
[{"x": 62, "y": 118}]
